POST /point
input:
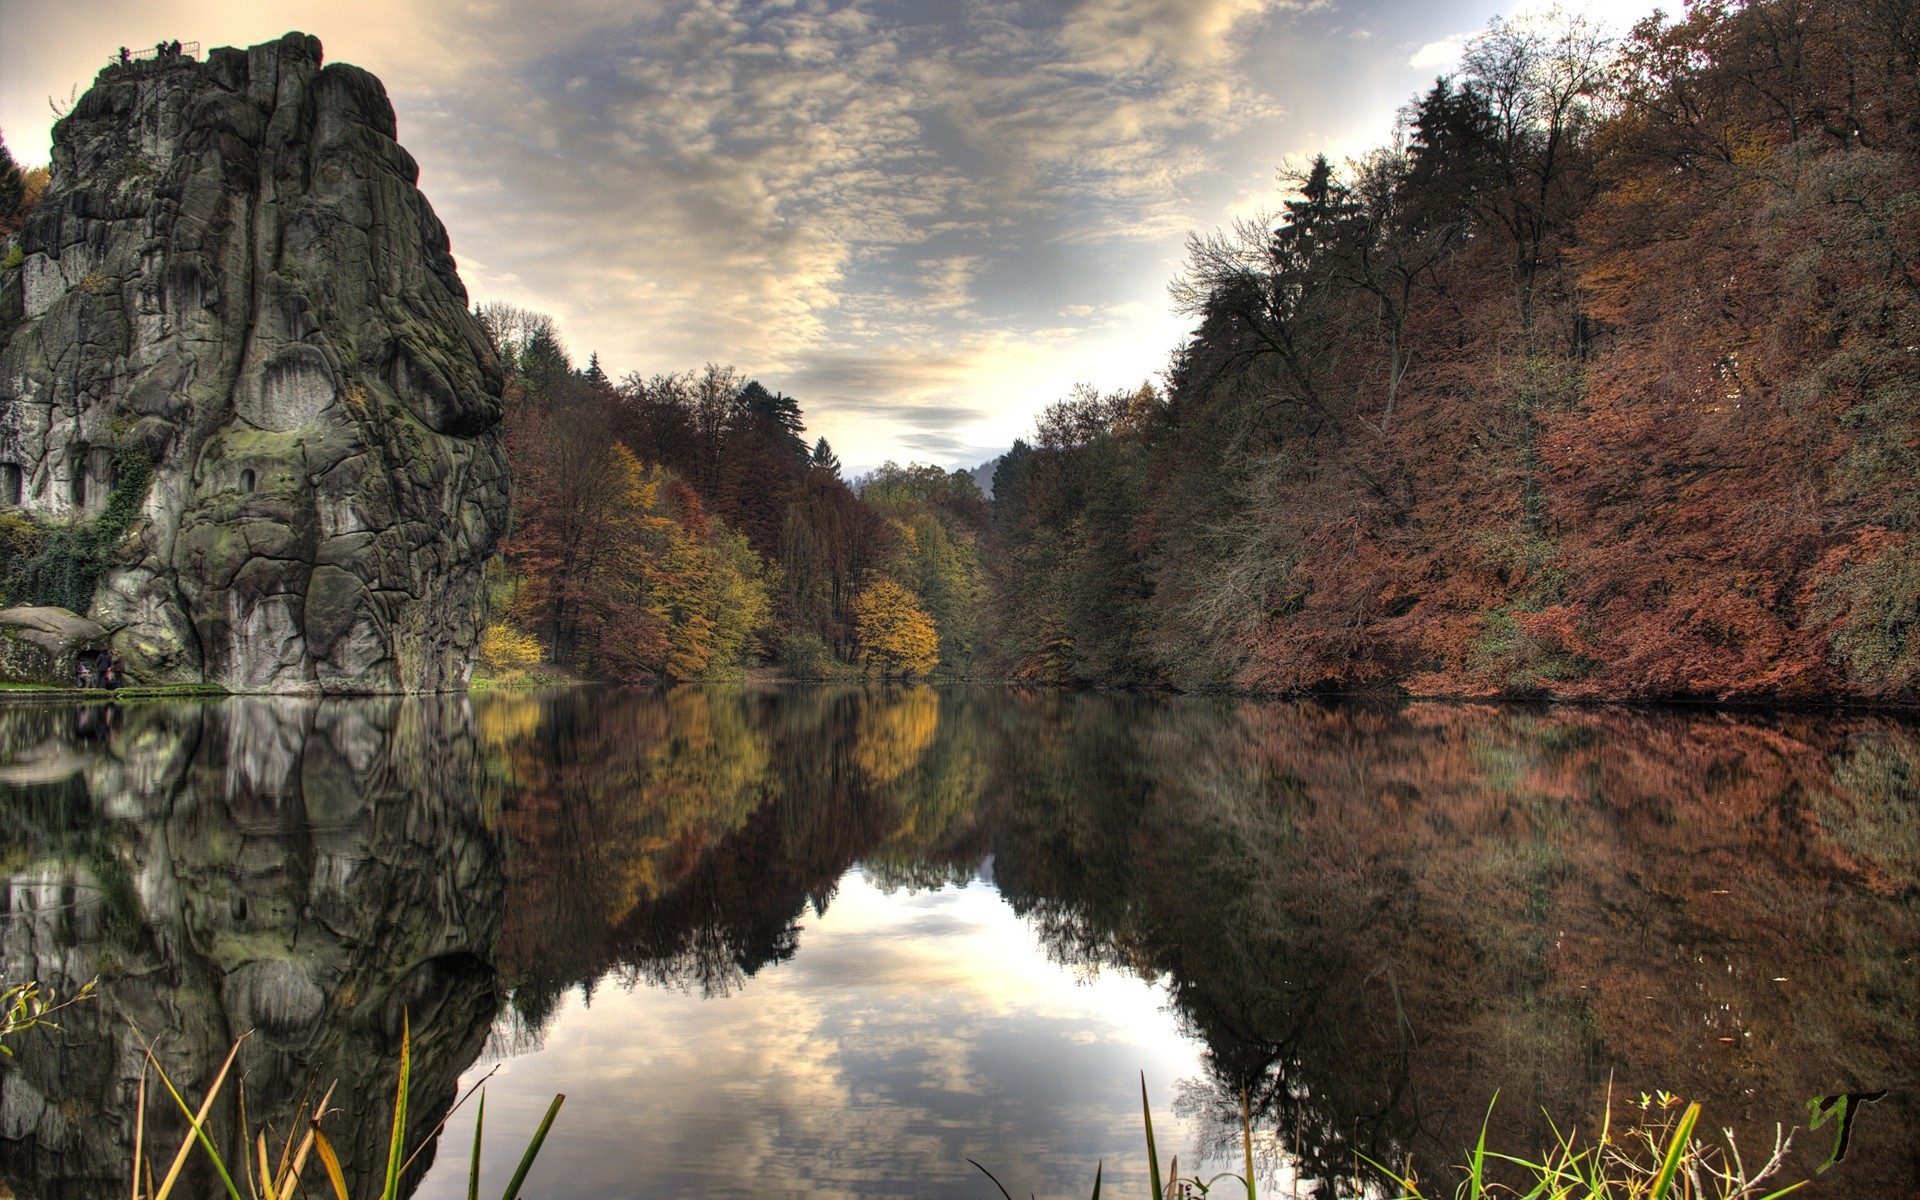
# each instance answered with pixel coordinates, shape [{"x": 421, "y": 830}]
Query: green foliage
[
  {"x": 1513, "y": 659},
  {"x": 15, "y": 256},
  {"x": 12, "y": 189},
  {"x": 937, "y": 518},
  {"x": 804, "y": 656},
  {"x": 1240, "y": 581},
  {"x": 71, "y": 558},
  {"x": 895, "y": 490},
  {"x": 1873, "y": 608},
  {"x": 24, "y": 1006},
  {"x": 1071, "y": 588},
  {"x": 544, "y": 361},
  {"x": 20, "y": 540},
  {"x": 940, "y": 564},
  {"x": 775, "y": 416}
]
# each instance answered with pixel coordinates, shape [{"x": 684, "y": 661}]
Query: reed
[
  {"x": 1654, "y": 1157},
  {"x": 270, "y": 1177}
]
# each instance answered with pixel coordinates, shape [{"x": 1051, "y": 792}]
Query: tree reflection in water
[{"x": 1374, "y": 918}]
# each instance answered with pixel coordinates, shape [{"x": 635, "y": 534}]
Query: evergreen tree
[
  {"x": 824, "y": 459},
  {"x": 772, "y": 416},
  {"x": 543, "y": 359},
  {"x": 1450, "y": 157}
]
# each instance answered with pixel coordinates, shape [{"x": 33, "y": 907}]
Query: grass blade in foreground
[
  {"x": 1153, "y": 1155},
  {"x": 533, "y": 1148},
  {"x": 1608, "y": 1169},
  {"x": 1246, "y": 1137},
  {"x": 397, "y": 1145},
  {"x": 1676, "y": 1150},
  {"x": 473, "y": 1166},
  {"x": 198, "y": 1131}
]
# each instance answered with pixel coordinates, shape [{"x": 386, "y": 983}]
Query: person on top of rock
[{"x": 125, "y": 56}]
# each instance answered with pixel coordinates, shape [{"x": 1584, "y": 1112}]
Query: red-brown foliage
[{"x": 1606, "y": 390}]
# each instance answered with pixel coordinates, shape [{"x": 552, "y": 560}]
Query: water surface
[{"x": 835, "y": 942}]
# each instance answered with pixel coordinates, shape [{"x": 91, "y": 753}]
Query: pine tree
[{"x": 824, "y": 459}]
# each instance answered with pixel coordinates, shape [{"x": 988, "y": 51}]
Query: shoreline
[{"x": 762, "y": 678}]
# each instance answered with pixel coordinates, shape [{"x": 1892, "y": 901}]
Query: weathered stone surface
[
  {"x": 233, "y": 272},
  {"x": 44, "y": 645}
]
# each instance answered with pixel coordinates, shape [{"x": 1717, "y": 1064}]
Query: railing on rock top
[{"x": 163, "y": 50}]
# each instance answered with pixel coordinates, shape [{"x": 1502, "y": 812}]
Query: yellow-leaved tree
[{"x": 896, "y": 635}]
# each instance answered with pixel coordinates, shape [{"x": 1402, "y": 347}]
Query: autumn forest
[{"x": 1595, "y": 381}]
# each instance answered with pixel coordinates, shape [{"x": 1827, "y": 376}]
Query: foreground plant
[
  {"x": 1657, "y": 1158},
  {"x": 24, "y": 1005},
  {"x": 270, "y": 1178},
  {"x": 1174, "y": 1187}
]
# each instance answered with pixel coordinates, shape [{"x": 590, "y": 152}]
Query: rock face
[
  {"x": 44, "y": 645},
  {"x": 233, "y": 276}
]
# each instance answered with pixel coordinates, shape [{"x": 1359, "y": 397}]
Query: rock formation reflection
[{"x": 305, "y": 870}]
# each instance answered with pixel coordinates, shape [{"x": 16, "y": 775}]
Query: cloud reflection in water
[{"x": 911, "y": 1032}]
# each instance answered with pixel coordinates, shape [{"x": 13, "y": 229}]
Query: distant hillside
[
  {"x": 1600, "y": 388},
  {"x": 983, "y": 475}
]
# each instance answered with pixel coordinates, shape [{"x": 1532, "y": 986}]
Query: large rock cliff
[{"x": 233, "y": 277}]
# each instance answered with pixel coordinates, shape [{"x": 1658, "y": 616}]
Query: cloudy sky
[{"x": 925, "y": 219}]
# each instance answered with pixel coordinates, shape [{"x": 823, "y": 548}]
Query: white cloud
[
  {"x": 1441, "y": 56},
  {"x": 795, "y": 188}
]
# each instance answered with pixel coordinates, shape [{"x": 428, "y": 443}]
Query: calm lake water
[{"x": 836, "y": 942}]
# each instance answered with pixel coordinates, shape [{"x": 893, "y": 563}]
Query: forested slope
[
  {"x": 1599, "y": 383},
  {"x": 679, "y": 527}
]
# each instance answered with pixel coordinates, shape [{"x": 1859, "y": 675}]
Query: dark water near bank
[{"x": 836, "y": 942}]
